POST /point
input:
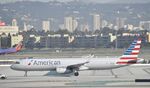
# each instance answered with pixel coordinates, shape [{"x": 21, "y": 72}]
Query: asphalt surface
[{"x": 117, "y": 78}]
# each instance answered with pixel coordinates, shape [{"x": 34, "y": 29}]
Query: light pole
[{"x": 116, "y": 43}]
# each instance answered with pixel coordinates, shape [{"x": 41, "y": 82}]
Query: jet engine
[{"x": 63, "y": 70}]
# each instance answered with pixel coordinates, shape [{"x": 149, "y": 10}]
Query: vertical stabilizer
[
  {"x": 19, "y": 46},
  {"x": 130, "y": 56}
]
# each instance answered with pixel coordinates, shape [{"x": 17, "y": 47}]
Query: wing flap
[{"x": 77, "y": 65}]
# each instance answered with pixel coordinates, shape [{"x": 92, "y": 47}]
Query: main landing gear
[
  {"x": 26, "y": 74},
  {"x": 76, "y": 74}
]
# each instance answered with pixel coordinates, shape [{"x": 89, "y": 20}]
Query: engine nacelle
[{"x": 63, "y": 70}]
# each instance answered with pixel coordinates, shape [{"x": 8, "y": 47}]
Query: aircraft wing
[
  {"x": 77, "y": 66},
  {"x": 72, "y": 67},
  {"x": 1, "y": 49}
]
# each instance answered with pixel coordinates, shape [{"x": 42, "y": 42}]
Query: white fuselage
[
  {"x": 52, "y": 64},
  {"x": 73, "y": 65}
]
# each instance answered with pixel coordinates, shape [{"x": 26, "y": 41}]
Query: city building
[
  {"x": 63, "y": 41},
  {"x": 130, "y": 27},
  {"x": 14, "y": 29},
  {"x": 46, "y": 26},
  {"x": 144, "y": 25},
  {"x": 96, "y": 22},
  {"x": 15, "y": 39},
  {"x": 148, "y": 39},
  {"x": 110, "y": 25},
  {"x": 112, "y": 37},
  {"x": 2, "y": 23},
  {"x": 61, "y": 26},
  {"x": 124, "y": 41},
  {"x": 91, "y": 41},
  {"x": 75, "y": 24},
  {"x": 25, "y": 26},
  {"x": 36, "y": 38},
  {"x": 120, "y": 22},
  {"x": 54, "y": 41},
  {"x": 104, "y": 24},
  {"x": 5, "y": 41},
  {"x": 9, "y": 29},
  {"x": 84, "y": 27},
  {"x": 70, "y": 23},
  {"x": 14, "y": 22}
]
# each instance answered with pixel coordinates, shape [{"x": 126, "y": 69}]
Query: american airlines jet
[
  {"x": 73, "y": 65},
  {"x": 11, "y": 50}
]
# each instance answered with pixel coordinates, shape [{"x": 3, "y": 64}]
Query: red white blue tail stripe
[{"x": 131, "y": 54}]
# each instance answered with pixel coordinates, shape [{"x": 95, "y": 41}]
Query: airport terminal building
[{"x": 77, "y": 41}]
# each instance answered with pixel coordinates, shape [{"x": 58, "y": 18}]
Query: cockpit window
[{"x": 17, "y": 62}]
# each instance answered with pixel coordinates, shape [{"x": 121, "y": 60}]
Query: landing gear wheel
[
  {"x": 76, "y": 74},
  {"x": 25, "y": 75},
  {"x": 3, "y": 77}
]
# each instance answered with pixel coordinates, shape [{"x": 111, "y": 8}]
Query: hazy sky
[
  {"x": 72, "y": 0},
  {"x": 51, "y": 0},
  {"x": 69, "y": 0},
  {"x": 100, "y": 1},
  {"x": 104, "y": 1}
]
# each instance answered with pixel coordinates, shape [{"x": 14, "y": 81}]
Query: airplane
[
  {"x": 11, "y": 50},
  {"x": 74, "y": 65}
]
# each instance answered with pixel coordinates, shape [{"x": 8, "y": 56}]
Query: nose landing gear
[{"x": 26, "y": 74}]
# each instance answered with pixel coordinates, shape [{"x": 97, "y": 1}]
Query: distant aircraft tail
[
  {"x": 130, "y": 56},
  {"x": 19, "y": 46}
]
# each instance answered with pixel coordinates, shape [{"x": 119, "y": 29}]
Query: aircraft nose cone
[{"x": 12, "y": 67}]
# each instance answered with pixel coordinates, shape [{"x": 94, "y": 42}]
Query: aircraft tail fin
[
  {"x": 19, "y": 46},
  {"x": 130, "y": 56}
]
